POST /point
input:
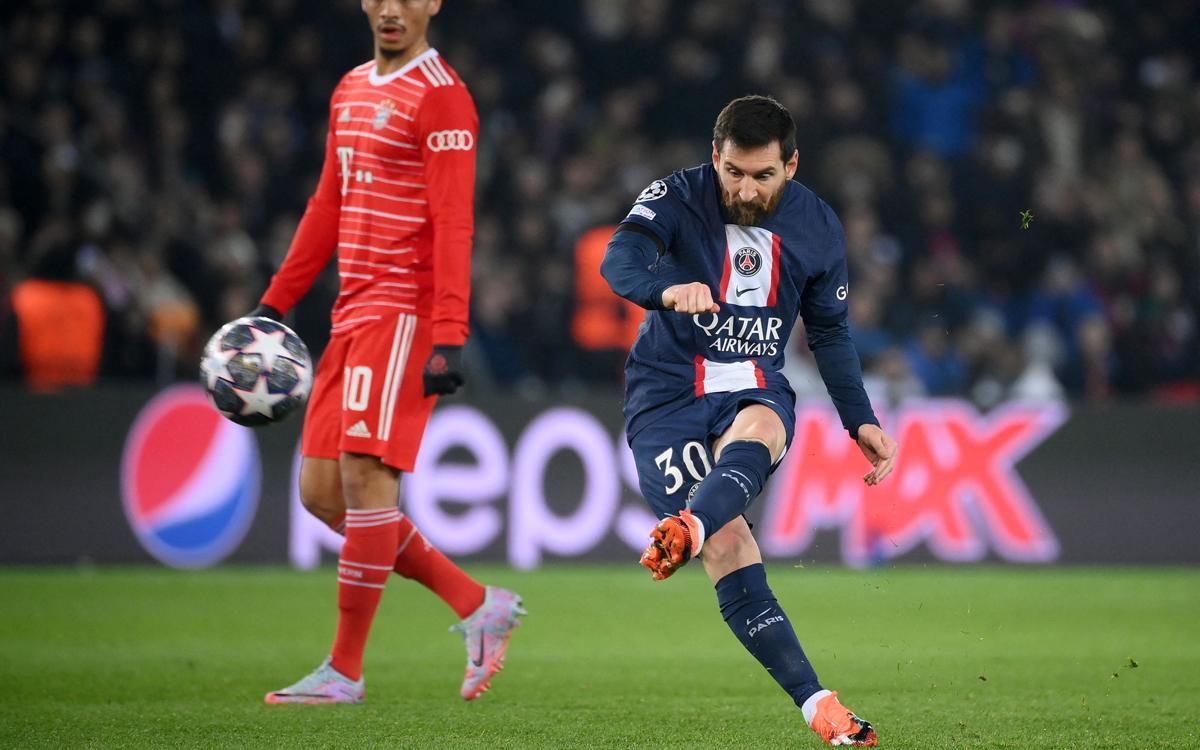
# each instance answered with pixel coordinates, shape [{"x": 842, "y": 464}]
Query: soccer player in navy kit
[{"x": 724, "y": 257}]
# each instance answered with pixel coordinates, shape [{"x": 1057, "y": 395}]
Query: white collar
[{"x": 378, "y": 80}]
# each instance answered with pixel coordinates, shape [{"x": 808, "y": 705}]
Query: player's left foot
[
  {"x": 838, "y": 725},
  {"x": 486, "y": 632},
  {"x": 673, "y": 541},
  {"x": 324, "y": 685}
]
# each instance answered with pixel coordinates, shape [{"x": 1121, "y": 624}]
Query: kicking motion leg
[{"x": 745, "y": 454}]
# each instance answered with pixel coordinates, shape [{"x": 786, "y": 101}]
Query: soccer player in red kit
[{"x": 395, "y": 199}]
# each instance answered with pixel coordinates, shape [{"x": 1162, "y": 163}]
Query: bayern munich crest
[
  {"x": 747, "y": 261},
  {"x": 383, "y": 113},
  {"x": 653, "y": 192}
]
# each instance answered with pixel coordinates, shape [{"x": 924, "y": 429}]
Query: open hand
[{"x": 880, "y": 450}]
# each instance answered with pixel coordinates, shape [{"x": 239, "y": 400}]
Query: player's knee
[
  {"x": 730, "y": 547},
  {"x": 367, "y": 481},
  {"x": 321, "y": 491},
  {"x": 322, "y": 503},
  {"x": 761, "y": 425}
]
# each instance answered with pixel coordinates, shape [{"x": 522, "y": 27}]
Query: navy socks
[
  {"x": 751, "y": 612},
  {"x": 732, "y": 485}
]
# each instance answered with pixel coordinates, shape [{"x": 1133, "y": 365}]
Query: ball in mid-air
[{"x": 256, "y": 371}]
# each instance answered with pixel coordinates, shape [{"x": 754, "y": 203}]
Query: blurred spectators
[{"x": 175, "y": 142}]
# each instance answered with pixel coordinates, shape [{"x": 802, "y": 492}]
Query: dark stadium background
[
  {"x": 166, "y": 150},
  {"x": 1019, "y": 184}
]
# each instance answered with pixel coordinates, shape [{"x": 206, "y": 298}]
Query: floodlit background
[{"x": 1019, "y": 183}]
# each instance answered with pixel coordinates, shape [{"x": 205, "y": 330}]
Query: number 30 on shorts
[
  {"x": 356, "y": 388},
  {"x": 695, "y": 460}
]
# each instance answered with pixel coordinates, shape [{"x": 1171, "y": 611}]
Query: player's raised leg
[{"x": 745, "y": 453}]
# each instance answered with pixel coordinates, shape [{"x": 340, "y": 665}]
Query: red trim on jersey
[
  {"x": 758, "y": 374},
  {"x": 774, "y": 272},
  {"x": 699, "y": 360},
  {"x": 725, "y": 276}
]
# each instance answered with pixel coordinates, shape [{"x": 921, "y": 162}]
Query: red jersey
[{"x": 395, "y": 198}]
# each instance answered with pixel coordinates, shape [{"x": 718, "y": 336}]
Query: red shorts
[{"x": 367, "y": 396}]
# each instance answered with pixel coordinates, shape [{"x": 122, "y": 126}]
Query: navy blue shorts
[{"x": 674, "y": 452}]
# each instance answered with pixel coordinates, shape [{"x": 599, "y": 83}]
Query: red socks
[
  {"x": 367, "y": 558},
  {"x": 422, "y": 562}
]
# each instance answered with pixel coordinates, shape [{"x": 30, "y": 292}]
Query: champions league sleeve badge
[{"x": 653, "y": 192}]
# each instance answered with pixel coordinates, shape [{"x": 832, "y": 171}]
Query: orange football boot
[
  {"x": 673, "y": 541},
  {"x": 838, "y": 725}
]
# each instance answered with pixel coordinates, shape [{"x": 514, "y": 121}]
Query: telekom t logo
[{"x": 955, "y": 487}]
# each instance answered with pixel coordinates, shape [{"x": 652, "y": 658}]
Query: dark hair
[{"x": 755, "y": 121}]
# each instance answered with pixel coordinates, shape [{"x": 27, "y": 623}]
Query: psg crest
[{"x": 747, "y": 261}]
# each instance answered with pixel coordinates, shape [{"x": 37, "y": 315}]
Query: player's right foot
[
  {"x": 486, "y": 632},
  {"x": 324, "y": 685},
  {"x": 673, "y": 541},
  {"x": 838, "y": 725}
]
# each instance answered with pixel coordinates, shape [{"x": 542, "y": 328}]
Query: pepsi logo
[{"x": 189, "y": 479}]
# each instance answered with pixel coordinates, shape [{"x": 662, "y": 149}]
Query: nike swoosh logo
[
  {"x": 740, "y": 292},
  {"x": 479, "y": 662},
  {"x": 760, "y": 614}
]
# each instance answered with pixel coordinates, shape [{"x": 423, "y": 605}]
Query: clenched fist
[{"x": 689, "y": 298}]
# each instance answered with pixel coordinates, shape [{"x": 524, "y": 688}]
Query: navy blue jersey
[{"x": 762, "y": 277}]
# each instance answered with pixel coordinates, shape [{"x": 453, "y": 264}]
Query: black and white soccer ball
[{"x": 256, "y": 371}]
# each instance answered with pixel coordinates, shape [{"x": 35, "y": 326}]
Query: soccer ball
[{"x": 256, "y": 371}]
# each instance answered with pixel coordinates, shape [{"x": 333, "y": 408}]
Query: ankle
[
  {"x": 809, "y": 709},
  {"x": 696, "y": 530}
]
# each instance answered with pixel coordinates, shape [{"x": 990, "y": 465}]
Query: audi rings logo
[{"x": 450, "y": 140}]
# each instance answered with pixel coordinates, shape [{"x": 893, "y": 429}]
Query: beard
[{"x": 748, "y": 214}]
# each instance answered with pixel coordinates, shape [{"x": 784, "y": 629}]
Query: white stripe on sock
[
  {"x": 360, "y": 583},
  {"x": 364, "y": 565}
]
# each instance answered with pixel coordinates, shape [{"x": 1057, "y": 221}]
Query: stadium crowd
[{"x": 1019, "y": 181}]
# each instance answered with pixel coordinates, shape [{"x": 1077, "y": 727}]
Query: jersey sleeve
[
  {"x": 316, "y": 236},
  {"x": 657, "y": 210},
  {"x": 824, "y": 309},
  {"x": 823, "y": 299},
  {"x": 448, "y": 128}
]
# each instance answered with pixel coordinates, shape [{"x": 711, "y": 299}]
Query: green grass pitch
[{"x": 936, "y": 657}]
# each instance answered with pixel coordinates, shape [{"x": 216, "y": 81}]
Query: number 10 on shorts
[{"x": 356, "y": 388}]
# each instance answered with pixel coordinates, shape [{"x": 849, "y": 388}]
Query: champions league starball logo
[
  {"x": 653, "y": 192},
  {"x": 747, "y": 261}
]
